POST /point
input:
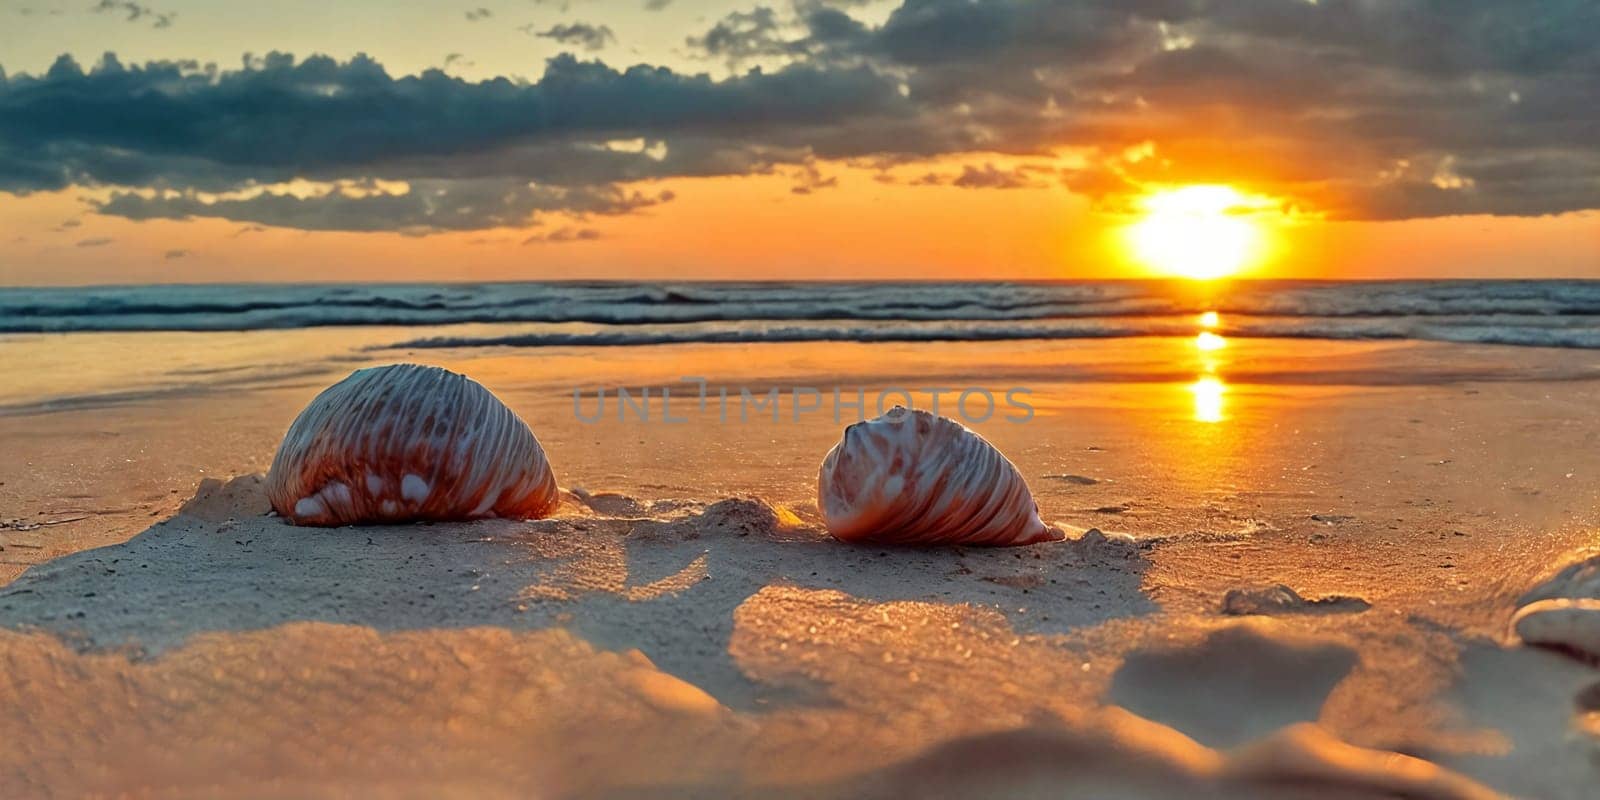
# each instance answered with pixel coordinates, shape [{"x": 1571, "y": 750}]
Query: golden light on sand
[
  {"x": 1199, "y": 232},
  {"x": 1208, "y": 392}
]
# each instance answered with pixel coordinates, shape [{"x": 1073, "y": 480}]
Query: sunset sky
[{"x": 193, "y": 142}]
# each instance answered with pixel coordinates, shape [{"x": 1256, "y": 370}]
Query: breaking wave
[{"x": 1533, "y": 313}]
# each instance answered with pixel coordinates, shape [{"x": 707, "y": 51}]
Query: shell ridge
[{"x": 976, "y": 464}]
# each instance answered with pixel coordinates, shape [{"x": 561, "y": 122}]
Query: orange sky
[
  {"x": 878, "y": 109},
  {"x": 756, "y": 228}
]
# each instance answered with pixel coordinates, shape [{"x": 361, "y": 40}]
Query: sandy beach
[{"x": 1296, "y": 582}]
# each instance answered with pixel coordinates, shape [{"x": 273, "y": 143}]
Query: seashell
[
  {"x": 912, "y": 478},
  {"x": 1578, "y": 579},
  {"x": 1566, "y": 623},
  {"x": 408, "y": 442}
]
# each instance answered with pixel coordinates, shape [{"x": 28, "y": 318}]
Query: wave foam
[{"x": 1537, "y": 313}]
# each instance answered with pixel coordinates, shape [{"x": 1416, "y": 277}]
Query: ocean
[{"x": 1551, "y": 313}]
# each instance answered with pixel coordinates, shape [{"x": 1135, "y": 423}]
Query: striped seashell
[
  {"x": 912, "y": 478},
  {"x": 407, "y": 442}
]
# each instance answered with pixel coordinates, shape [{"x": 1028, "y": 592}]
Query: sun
[{"x": 1200, "y": 232}]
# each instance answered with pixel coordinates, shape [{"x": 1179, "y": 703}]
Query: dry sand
[{"x": 1308, "y": 598}]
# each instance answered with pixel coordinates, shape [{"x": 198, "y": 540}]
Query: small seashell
[
  {"x": 912, "y": 478},
  {"x": 1567, "y": 623},
  {"x": 408, "y": 442},
  {"x": 1576, "y": 580}
]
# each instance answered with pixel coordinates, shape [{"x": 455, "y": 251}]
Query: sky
[{"x": 788, "y": 139}]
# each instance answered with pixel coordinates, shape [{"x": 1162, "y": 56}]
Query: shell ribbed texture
[
  {"x": 407, "y": 442},
  {"x": 912, "y": 478}
]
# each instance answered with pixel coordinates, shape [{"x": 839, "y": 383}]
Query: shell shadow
[
  {"x": 1237, "y": 684},
  {"x": 666, "y": 581},
  {"x": 1542, "y": 704}
]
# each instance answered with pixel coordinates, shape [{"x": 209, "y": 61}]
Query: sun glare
[{"x": 1198, "y": 232}]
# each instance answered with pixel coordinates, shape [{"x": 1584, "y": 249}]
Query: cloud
[
  {"x": 563, "y": 235},
  {"x": 744, "y": 35},
  {"x": 987, "y": 176},
  {"x": 96, "y": 242},
  {"x": 135, "y": 12},
  {"x": 562, "y": 6},
  {"x": 174, "y": 255},
  {"x": 425, "y": 206},
  {"x": 178, "y": 140},
  {"x": 1362, "y": 110},
  {"x": 579, "y": 34},
  {"x": 1349, "y": 107},
  {"x": 817, "y": 32},
  {"x": 808, "y": 179},
  {"x": 656, "y": 5},
  {"x": 475, "y": 14}
]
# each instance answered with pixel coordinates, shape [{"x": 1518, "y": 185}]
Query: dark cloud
[
  {"x": 428, "y": 206},
  {"x": 474, "y": 153},
  {"x": 808, "y": 179},
  {"x": 656, "y": 5},
  {"x": 1365, "y": 110},
  {"x": 174, "y": 255},
  {"x": 1384, "y": 110},
  {"x": 475, "y": 14},
  {"x": 561, "y": 235},
  {"x": 987, "y": 176},
  {"x": 96, "y": 242},
  {"x": 745, "y": 35},
  {"x": 577, "y": 34},
  {"x": 135, "y": 12},
  {"x": 817, "y": 32}
]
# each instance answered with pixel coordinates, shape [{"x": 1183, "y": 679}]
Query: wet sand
[{"x": 1303, "y": 548}]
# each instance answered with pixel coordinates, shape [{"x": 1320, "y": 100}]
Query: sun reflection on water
[
  {"x": 1208, "y": 392},
  {"x": 1208, "y": 388},
  {"x": 1207, "y": 342}
]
